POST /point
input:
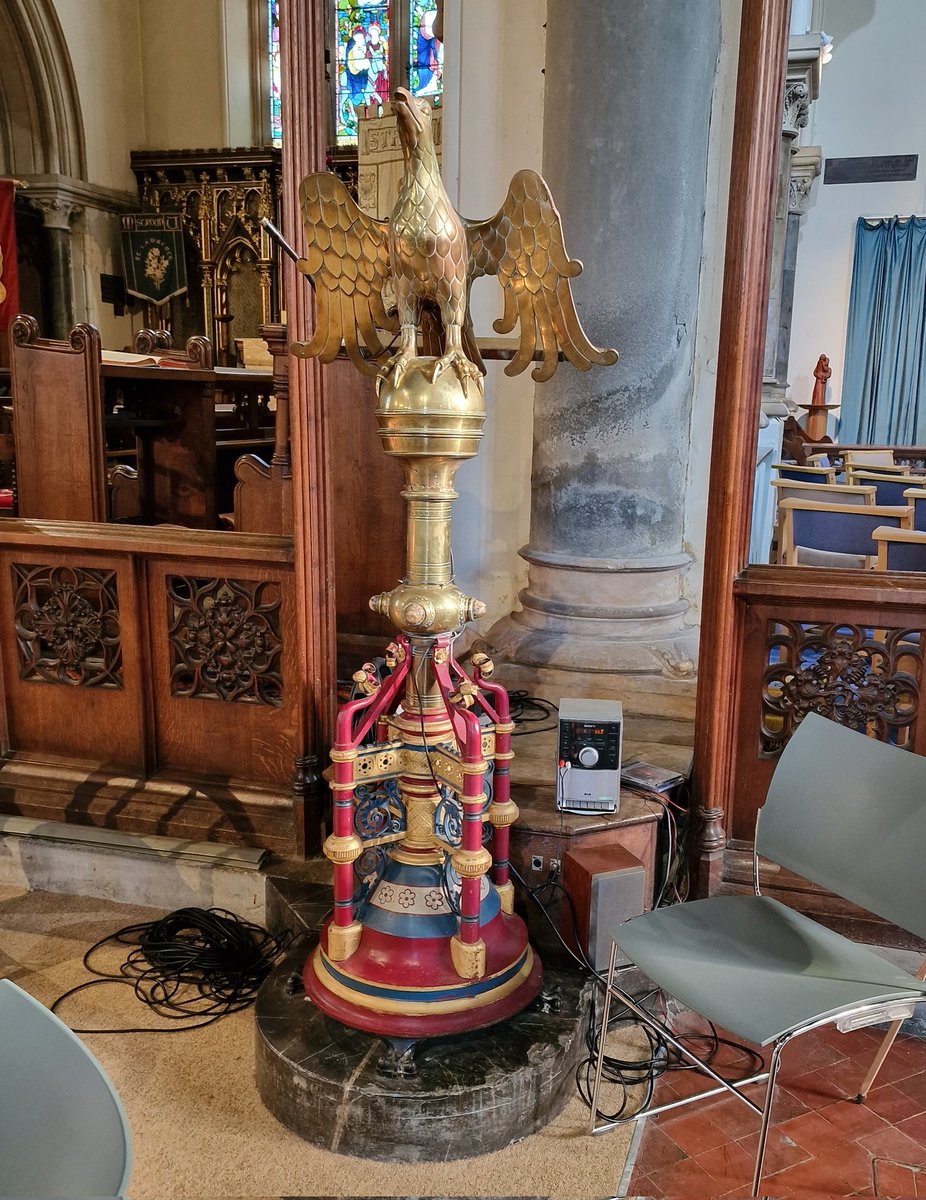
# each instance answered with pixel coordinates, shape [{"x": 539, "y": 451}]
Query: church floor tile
[{"x": 821, "y": 1143}]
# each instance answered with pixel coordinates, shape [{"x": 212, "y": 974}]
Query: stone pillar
[
  {"x": 627, "y": 110},
  {"x": 806, "y": 162},
  {"x": 798, "y": 167},
  {"x": 57, "y": 214}
]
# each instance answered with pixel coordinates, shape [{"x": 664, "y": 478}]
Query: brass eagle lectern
[{"x": 422, "y": 941}]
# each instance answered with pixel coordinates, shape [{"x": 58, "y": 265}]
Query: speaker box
[{"x": 607, "y": 885}]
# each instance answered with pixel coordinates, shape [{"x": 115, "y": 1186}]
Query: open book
[{"x": 144, "y": 360}]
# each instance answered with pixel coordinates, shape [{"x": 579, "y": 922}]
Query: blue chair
[
  {"x": 835, "y": 535},
  {"x": 63, "y": 1130},
  {"x": 889, "y": 488},
  {"x": 871, "y": 459},
  {"x": 826, "y": 493},
  {"x": 917, "y": 497},
  {"x": 805, "y": 474},
  {"x": 846, "y": 812},
  {"x": 900, "y": 549}
]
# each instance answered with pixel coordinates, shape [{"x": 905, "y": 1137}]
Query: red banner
[{"x": 9, "y": 271}]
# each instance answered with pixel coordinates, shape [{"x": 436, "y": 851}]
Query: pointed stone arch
[{"x": 41, "y": 127}]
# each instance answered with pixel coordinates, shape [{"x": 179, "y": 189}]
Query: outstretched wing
[
  {"x": 523, "y": 245},
  {"x": 347, "y": 260}
]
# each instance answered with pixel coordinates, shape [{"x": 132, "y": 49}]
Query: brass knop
[{"x": 427, "y": 608}]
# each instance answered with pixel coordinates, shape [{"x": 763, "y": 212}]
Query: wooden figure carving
[
  {"x": 372, "y": 276},
  {"x": 821, "y": 373}
]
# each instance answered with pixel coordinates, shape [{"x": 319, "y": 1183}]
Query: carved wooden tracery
[
  {"x": 67, "y": 625},
  {"x": 224, "y": 638},
  {"x": 222, "y": 196},
  {"x": 868, "y": 679}
]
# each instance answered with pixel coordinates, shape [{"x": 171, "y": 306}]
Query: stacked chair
[
  {"x": 889, "y": 485},
  {"x": 816, "y": 524},
  {"x": 764, "y": 971},
  {"x": 808, "y": 474}
]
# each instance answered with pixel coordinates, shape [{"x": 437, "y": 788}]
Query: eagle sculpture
[{"x": 416, "y": 270}]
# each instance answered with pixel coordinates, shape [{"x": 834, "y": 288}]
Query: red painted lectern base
[{"x": 380, "y": 989}]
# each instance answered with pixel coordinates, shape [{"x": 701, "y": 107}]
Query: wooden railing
[{"x": 846, "y": 644}]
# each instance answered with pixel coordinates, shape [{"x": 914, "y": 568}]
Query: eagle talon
[
  {"x": 464, "y": 369},
  {"x": 393, "y": 369}
]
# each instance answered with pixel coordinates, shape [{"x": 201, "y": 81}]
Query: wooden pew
[
  {"x": 58, "y": 423},
  {"x": 264, "y": 491}
]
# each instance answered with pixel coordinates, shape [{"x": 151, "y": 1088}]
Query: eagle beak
[{"x": 404, "y": 99}]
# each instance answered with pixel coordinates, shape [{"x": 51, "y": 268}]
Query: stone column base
[
  {"x": 600, "y": 616},
  {"x": 657, "y": 709}
]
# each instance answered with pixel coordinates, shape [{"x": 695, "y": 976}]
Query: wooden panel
[
  {"x": 753, "y": 189},
  {"x": 73, "y": 682},
  {"x": 225, "y": 679},
  {"x": 58, "y": 423},
  {"x": 263, "y": 498},
  {"x": 306, "y": 98},
  {"x": 50, "y": 789},
  {"x": 368, "y": 510},
  {"x": 83, "y": 748}
]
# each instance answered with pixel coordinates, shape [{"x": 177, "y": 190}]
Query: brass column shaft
[{"x": 428, "y": 540}]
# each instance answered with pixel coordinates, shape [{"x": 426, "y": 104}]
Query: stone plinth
[{"x": 472, "y": 1094}]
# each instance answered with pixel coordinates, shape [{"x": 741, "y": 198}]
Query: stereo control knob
[{"x": 588, "y": 756}]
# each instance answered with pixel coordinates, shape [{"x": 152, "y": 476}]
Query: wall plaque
[{"x": 874, "y": 168}]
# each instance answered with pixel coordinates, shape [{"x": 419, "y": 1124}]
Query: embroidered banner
[
  {"x": 152, "y": 255},
  {"x": 9, "y": 270}
]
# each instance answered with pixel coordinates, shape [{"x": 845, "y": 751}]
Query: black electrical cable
[
  {"x": 531, "y": 711},
  {"x": 194, "y": 963}
]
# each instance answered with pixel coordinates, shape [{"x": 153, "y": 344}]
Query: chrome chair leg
[
  {"x": 649, "y": 1020},
  {"x": 773, "y": 1065}
]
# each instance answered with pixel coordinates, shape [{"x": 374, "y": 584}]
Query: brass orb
[{"x": 441, "y": 420}]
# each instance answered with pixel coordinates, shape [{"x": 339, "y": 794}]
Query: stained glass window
[
  {"x": 363, "y": 62},
  {"x": 426, "y": 53},
  {"x": 273, "y": 51}
]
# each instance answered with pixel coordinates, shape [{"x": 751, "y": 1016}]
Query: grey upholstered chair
[{"x": 846, "y": 812}]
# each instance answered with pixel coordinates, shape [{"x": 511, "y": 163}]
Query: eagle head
[{"x": 414, "y": 118}]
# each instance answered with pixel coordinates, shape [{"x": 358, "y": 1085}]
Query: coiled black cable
[{"x": 194, "y": 965}]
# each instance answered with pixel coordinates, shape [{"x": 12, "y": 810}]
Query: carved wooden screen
[
  {"x": 845, "y": 644},
  {"x": 221, "y": 195}
]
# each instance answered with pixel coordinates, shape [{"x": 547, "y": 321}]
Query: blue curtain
[{"x": 884, "y": 384}]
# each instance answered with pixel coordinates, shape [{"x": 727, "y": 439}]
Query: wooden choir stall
[{"x": 153, "y": 676}]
